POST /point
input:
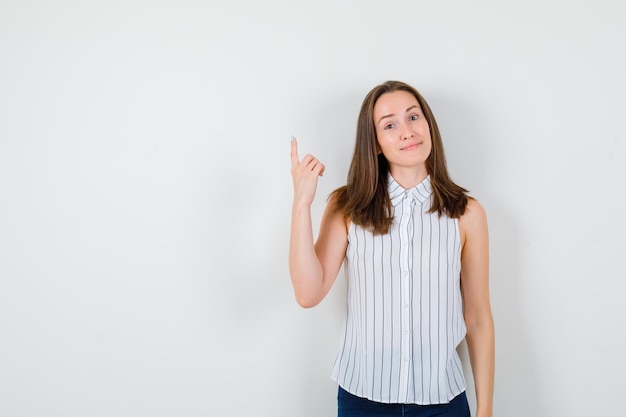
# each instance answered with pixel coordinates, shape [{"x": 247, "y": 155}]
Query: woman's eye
[
  {"x": 389, "y": 126},
  {"x": 413, "y": 117}
]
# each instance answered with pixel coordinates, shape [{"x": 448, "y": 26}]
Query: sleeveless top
[{"x": 404, "y": 317}]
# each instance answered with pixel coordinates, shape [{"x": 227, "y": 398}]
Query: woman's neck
[{"x": 409, "y": 177}]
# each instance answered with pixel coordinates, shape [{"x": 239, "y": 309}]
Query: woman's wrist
[{"x": 484, "y": 412}]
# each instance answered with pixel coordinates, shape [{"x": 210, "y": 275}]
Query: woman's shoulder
[
  {"x": 474, "y": 220},
  {"x": 335, "y": 209},
  {"x": 335, "y": 199},
  {"x": 473, "y": 209}
]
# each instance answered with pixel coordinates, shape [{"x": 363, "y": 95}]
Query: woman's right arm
[{"x": 313, "y": 266}]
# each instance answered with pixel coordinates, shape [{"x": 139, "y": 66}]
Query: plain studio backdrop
[{"x": 145, "y": 194}]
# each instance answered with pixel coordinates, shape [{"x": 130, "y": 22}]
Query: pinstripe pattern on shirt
[{"x": 404, "y": 316}]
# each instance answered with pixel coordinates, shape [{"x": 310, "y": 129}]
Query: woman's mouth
[{"x": 410, "y": 147}]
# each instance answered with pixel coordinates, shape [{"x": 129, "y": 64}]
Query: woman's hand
[{"x": 305, "y": 174}]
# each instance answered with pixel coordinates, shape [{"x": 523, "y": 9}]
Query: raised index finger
[{"x": 295, "y": 160}]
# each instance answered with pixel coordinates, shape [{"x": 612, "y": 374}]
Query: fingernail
[{"x": 292, "y": 138}]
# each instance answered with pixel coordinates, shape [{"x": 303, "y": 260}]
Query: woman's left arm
[{"x": 476, "y": 305}]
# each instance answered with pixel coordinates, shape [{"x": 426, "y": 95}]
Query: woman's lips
[{"x": 410, "y": 147}]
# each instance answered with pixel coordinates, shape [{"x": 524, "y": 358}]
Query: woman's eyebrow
[
  {"x": 392, "y": 114},
  {"x": 384, "y": 117}
]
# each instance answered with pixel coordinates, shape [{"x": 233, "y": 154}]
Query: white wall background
[{"x": 145, "y": 194}]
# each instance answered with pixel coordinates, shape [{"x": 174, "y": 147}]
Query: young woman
[{"x": 416, "y": 254}]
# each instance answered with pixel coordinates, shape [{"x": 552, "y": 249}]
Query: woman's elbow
[
  {"x": 307, "y": 301},
  {"x": 478, "y": 324}
]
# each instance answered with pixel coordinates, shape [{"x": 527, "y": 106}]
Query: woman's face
[{"x": 402, "y": 131}]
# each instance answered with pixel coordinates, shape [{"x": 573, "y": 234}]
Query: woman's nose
[{"x": 407, "y": 133}]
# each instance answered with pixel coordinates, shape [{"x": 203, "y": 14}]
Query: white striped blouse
[{"x": 404, "y": 316}]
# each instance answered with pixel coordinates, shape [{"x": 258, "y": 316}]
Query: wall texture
[{"x": 145, "y": 194}]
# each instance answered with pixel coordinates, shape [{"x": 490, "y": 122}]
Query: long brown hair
[{"x": 364, "y": 199}]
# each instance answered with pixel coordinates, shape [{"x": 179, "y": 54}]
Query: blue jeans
[{"x": 352, "y": 406}]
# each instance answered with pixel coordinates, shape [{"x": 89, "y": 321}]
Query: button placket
[{"x": 405, "y": 239}]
